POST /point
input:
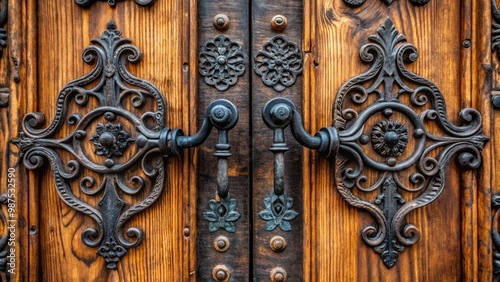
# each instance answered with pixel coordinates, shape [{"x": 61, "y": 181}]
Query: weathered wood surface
[
  {"x": 64, "y": 30},
  {"x": 237, "y": 257},
  {"x": 448, "y": 248},
  {"x": 325, "y": 243},
  {"x": 291, "y": 258}
]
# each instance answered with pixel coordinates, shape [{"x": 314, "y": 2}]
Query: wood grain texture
[
  {"x": 325, "y": 244},
  {"x": 9, "y": 120},
  {"x": 336, "y": 32},
  {"x": 237, "y": 257},
  {"x": 265, "y": 259},
  {"x": 161, "y": 32}
]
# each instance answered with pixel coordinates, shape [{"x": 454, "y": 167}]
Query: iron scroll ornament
[
  {"x": 379, "y": 120},
  {"x": 125, "y": 129}
]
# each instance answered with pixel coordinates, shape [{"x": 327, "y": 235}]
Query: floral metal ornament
[
  {"x": 110, "y": 140},
  {"x": 389, "y": 138},
  {"x": 134, "y": 113},
  {"x": 107, "y": 85},
  {"x": 386, "y": 81},
  {"x": 112, "y": 3},
  {"x": 222, "y": 214},
  {"x": 279, "y": 63},
  {"x": 278, "y": 212},
  {"x": 221, "y": 62},
  {"x": 386, "y": 91},
  {"x": 387, "y": 2}
]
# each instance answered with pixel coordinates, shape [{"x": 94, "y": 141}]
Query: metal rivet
[
  {"x": 364, "y": 139},
  {"x": 467, "y": 43},
  {"x": 221, "y": 273},
  {"x": 186, "y": 232},
  {"x": 278, "y": 274},
  {"x": 109, "y": 163},
  {"x": 221, "y": 244},
  {"x": 141, "y": 141},
  {"x": 391, "y": 161},
  {"x": 221, "y": 22},
  {"x": 388, "y": 112},
  {"x": 278, "y": 23},
  {"x": 418, "y": 133},
  {"x": 277, "y": 243},
  {"x": 495, "y": 100}
]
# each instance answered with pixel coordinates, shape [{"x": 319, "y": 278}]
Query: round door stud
[
  {"x": 278, "y": 274},
  {"x": 221, "y": 22},
  {"x": 221, "y": 273},
  {"x": 221, "y": 244},
  {"x": 278, "y": 23},
  {"x": 277, "y": 244}
]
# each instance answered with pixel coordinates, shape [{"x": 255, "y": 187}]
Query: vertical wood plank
[
  {"x": 487, "y": 175},
  {"x": 237, "y": 257},
  {"x": 468, "y": 184},
  {"x": 166, "y": 250},
  {"x": 339, "y": 32},
  {"x": 28, "y": 103},
  {"x": 291, "y": 258}
]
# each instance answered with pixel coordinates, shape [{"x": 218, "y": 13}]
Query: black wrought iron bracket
[
  {"x": 124, "y": 124},
  {"x": 393, "y": 122}
]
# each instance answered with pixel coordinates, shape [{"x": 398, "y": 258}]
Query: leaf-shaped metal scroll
[
  {"x": 123, "y": 134},
  {"x": 118, "y": 146},
  {"x": 112, "y": 3},
  {"x": 371, "y": 115}
]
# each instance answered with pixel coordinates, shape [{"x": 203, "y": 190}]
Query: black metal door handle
[
  {"x": 129, "y": 139},
  {"x": 369, "y": 111}
]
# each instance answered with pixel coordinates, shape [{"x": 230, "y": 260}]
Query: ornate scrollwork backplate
[
  {"x": 110, "y": 151},
  {"x": 394, "y": 123}
]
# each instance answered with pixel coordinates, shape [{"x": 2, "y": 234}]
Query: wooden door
[{"x": 397, "y": 185}]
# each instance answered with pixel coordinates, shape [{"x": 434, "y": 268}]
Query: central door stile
[
  {"x": 223, "y": 223},
  {"x": 278, "y": 219}
]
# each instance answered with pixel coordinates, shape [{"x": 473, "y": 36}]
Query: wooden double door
[{"x": 117, "y": 183}]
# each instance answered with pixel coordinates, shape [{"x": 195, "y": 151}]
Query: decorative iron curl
[
  {"x": 386, "y": 79},
  {"x": 388, "y": 54},
  {"x": 127, "y": 126}
]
